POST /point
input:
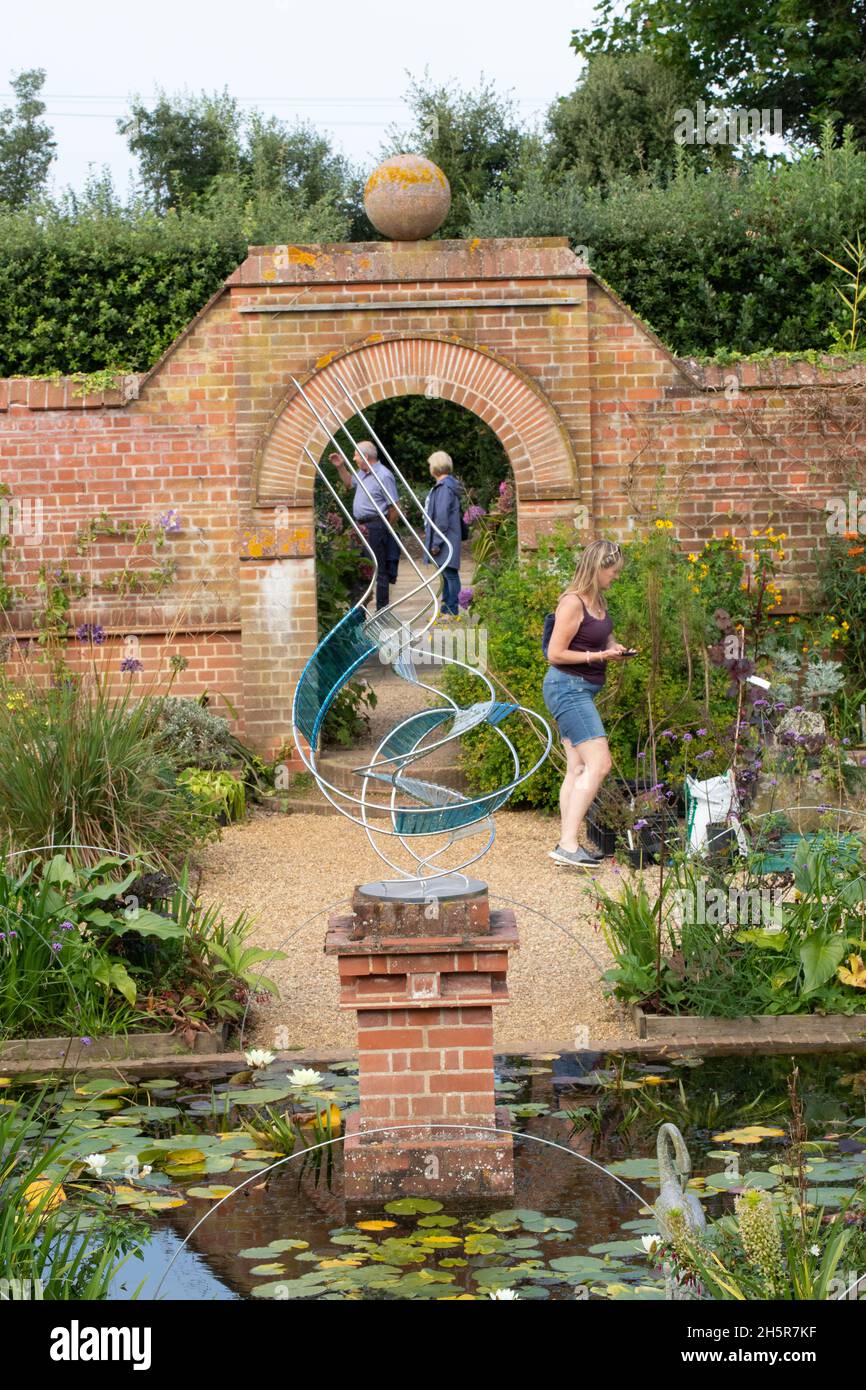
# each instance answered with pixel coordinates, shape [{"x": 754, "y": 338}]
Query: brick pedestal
[{"x": 423, "y": 979}]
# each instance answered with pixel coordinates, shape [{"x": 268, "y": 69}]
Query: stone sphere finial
[{"x": 407, "y": 197}]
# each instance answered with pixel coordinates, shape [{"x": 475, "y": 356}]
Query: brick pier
[{"x": 423, "y": 978}]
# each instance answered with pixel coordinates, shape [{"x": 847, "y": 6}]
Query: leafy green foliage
[
  {"x": 88, "y": 769},
  {"x": 619, "y": 120},
  {"x": 474, "y": 136},
  {"x": 218, "y": 793},
  {"x": 191, "y": 735},
  {"x": 89, "y": 284},
  {"x": 718, "y": 259},
  {"x": 803, "y": 56},
  {"x": 26, "y": 144},
  {"x": 700, "y": 940}
]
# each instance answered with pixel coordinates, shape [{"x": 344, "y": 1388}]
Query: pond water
[{"x": 230, "y": 1220}]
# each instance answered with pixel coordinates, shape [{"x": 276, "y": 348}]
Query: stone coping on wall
[
  {"x": 387, "y": 262},
  {"x": 65, "y": 393},
  {"x": 772, "y": 373},
  {"x": 219, "y": 1063}
]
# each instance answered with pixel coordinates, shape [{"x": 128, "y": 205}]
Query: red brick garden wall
[{"x": 601, "y": 425}]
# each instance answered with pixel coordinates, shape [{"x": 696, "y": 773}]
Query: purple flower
[
  {"x": 707, "y": 753},
  {"x": 91, "y": 632},
  {"x": 473, "y": 513},
  {"x": 57, "y": 945},
  {"x": 170, "y": 521},
  {"x": 643, "y": 754},
  {"x": 760, "y": 703},
  {"x": 667, "y": 733},
  {"x": 702, "y": 733},
  {"x": 88, "y": 1042},
  {"x": 640, "y": 825},
  {"x": 67, "y": 926},
  {"x": 465, "y": 597},
  {"x": 687, "y": 737},
  {"x": 131, "y": 664}
]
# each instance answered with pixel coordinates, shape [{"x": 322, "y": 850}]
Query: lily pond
[{"x": 193, "y": 1165}]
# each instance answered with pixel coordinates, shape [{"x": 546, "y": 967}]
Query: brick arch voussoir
[{"x": 498, "y": 392}]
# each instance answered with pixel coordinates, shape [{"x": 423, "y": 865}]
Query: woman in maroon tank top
[{"x": 579, "y": 648}]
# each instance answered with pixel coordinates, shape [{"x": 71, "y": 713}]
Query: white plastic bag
[{"x": 712, "y": 801}]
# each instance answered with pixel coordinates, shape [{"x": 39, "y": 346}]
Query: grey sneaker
[{"x": 578, "y": 858}]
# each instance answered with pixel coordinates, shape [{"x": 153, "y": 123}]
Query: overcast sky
[{"x": 340, "y": 64}]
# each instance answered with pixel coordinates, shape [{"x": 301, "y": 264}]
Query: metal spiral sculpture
[{"x": 408, "y": 807}]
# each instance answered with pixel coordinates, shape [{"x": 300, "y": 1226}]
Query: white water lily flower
[
  {"x": 503, "y": 1293},
  {"x": 651, "y": 1243},
  {"x": 814, "y": 1249},
  {"x": 259, "y": 1057},
  {"x": 96, "y": 1163},
  {"x": 145, "y": 1170},
  {"x": 302, "y": 1076}
]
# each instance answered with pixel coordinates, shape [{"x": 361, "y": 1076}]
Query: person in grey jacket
[{"x": 444, "y": 507}]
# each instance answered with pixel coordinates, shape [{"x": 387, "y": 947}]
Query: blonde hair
[
  {"x": 598, "y": 555},
  {"x": 440, "y": 462}
]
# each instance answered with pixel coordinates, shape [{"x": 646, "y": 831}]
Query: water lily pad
[
  {"x": 101, "y": 1086},
  {"x": 634, "y": 1168},
  {"x": 412, "y": 1206},
  {"x": 212, "y": 1193},
  {"x": 750, "y": 1134},
  {"x": 550, "y": 1223},
  {"x": 183, "y": 1158},
  {"x": 426, "y": 1221},
  {"x": 258, "y": 1095},
  {"x": 579, "y": 1264},
  {"x": 273, "y": 1268}
]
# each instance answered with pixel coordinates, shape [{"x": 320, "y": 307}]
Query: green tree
[
  {"x": 182, "y": 144},
  {"x": 475, "y": 138},
  {"x": 618, "y": 120},
  {"x": 26, "y": 144},
  {"x": 804, "y": 57},
  {"x": 299, "y": 161}
]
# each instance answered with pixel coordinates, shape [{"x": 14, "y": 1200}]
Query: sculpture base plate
[{"x": 447, "y": 888}]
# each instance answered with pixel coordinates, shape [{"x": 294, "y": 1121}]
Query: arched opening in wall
[{"x": 409, "y": 428}]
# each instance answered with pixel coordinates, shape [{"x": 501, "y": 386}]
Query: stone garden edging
[{"x": 759, "y": 1032}]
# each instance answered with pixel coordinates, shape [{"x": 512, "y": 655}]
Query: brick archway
[{"x": 381, "y": 368}]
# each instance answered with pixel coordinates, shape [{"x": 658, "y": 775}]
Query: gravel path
[{"x": 284, "y": 869}]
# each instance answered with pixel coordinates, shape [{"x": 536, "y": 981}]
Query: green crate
[{"x": 780, "y": 859}]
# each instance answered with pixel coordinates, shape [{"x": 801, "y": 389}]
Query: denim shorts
[{"x": 571, "y": 701}]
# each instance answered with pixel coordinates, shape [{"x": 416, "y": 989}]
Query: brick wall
[{"x": 593, "y": 413}]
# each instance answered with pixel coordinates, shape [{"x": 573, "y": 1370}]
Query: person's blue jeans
[{"x": 450, "y": 589}]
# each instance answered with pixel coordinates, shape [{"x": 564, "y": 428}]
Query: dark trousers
[
  {"x": 393, "y": 558},
  {"x": 450, "y": 589},
  {"x": 378, "y": 538}
]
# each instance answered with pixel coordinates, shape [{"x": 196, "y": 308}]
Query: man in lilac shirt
[{"x": 377, "y": 489}]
